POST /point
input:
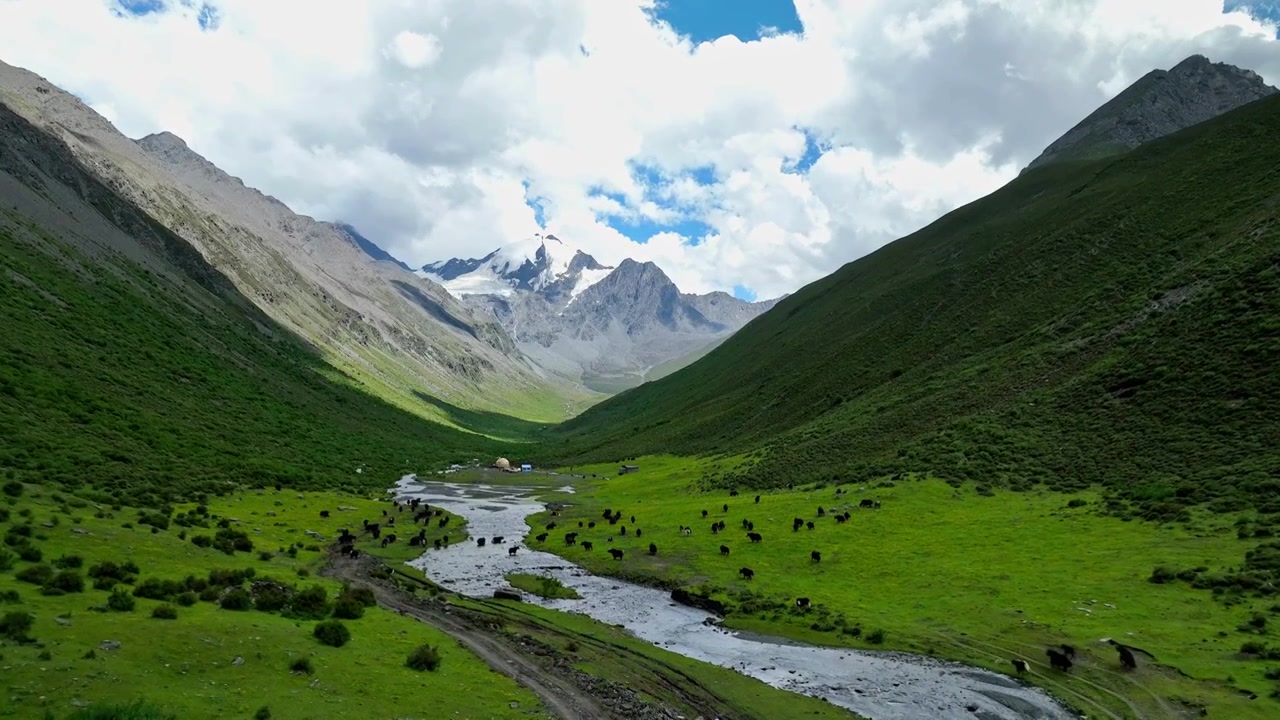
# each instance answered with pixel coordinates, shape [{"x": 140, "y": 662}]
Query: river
[{"x": 877, "y": 685}]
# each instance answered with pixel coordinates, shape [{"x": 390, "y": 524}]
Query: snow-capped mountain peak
[{"x": 542, "y": 263}]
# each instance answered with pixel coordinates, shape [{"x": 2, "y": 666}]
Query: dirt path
[{"x": 560, "y": 694}]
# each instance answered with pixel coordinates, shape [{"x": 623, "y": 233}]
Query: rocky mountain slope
[
  {"x": 1111, "y": 322},
  {"x": 1158, "y": 104},
  {"x": 133, "y": 370},
  {"x": 603, "y": 326},
  {"x": 402, "y": 336}
]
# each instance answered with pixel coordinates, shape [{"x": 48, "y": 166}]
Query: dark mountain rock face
[{"x": 1160, "y": 103}]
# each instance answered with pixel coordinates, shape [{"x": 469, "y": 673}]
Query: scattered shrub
[
  {"x": 1077, "y": 502},
  {"x": 157, "y": 589},
  {"x": 104, "y": 583},
  {"x": 45, "y": 655},
  {"x": 211, "y": 594},
  {"x": 1161, "y": 575},
  {"x": 310, "y": 604},
  {"x": 237, "y": 599},
  {"x": 125, "y": 573},
  {"x": 186, "y": 599},
  {"x": 362, "y": 595},
  {"x": 203, "y": 541},
  {"x": 229, "y": 541},
  {"x": 1253, "y": 647},
  {"x": 304, "y": 573},
  {"x": 35, "y": 574},
  {"x": 69, "y": 562},
  {"x": 120, "y": 601},
  {"x": 7, "y": 560},
  {"x": 30, "y": 553},
  {"x": 301, "y": 666},
  {"x": 10, "y": 597},
  {"x": 13, "y": 488},
  {"x": 230, "y": 578},
  {"x": 16, "y": 625},
  {"x": 423, "y": 657},
  {"x": 875, "y": 637},
  {"x": 271, "y": 597},
  {"x": 332, "y": 632},
  {"x": 165, "y": 612},
  {"x": 348, "y": 609},
  {"x": 264, "y": 713},
  {"x": 68, "y": 581}
]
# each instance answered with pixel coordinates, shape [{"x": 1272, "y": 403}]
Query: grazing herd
[{"x": 1062, "y": 658}]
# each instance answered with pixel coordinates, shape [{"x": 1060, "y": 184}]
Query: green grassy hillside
[
  {"x": 1113, "y": 322},
  {"x": 133, "y": 371},
  {"x": 979, "y": 576},
  {"x": 662, "y": 370}
]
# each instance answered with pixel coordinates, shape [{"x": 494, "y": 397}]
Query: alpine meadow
[{"x": 1022, "y": 463}]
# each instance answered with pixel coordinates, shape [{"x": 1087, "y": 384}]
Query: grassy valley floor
[
  {"x": 211, "y": 662},
  {"x": 977, "y": 577}
]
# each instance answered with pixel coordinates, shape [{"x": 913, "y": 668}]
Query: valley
[{"x": 1050, "y": 417}]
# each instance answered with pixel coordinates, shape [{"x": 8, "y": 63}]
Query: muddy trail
[{"x": 567, "y": 693}]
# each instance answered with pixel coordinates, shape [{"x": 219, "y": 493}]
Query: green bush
[
  {"x": 301, "y": 666},
  {"x": 35, "y": 574},
  {"x": 68, "y": 581},
  {"x": 271, "y": 598},
  {"x": 120, "y": 601},
  {"x": 16, "y": 625},
  {"x": 264, "y": 713},
  {"x": 237, "y": 599},
  {"x": 186, "y": 599},
  {"x": 7, "y": 560},
  {"x": 13, "y": 488},
  {"x": 1253, "y": 647},
  {"x": 875, "y": 637},
  {"x": 362, "y": 595},
  {"x": 30, "y": 553},
  {"x": 9, "y": 597},
  {"x": 348, "y": 609},
  {"x": 332, "y": 632},
  {"x": 203, "y": 541},
  {"x": 165, "y": 612},
  {"x": 423, "y": 657},
  {"x": 125, "y": 573},
  {"x": 157, "y": 589},
  {"x": 69, "y": 562},
  {"x": 310, "y": 604}
]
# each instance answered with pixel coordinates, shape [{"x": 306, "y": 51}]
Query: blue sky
[
  {"x": 710, "y": 19},
  {"x": 207, "y": 17},
  {"x": 705, "y": 20},
  {"x": 1260, "y": 9}
]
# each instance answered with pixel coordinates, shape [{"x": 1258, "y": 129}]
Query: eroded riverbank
[{"x": 878, "y": 685}]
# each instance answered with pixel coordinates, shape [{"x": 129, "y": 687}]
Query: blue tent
[{"x": 526, "y": 467}]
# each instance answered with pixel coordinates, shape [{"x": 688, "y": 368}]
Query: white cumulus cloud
[{"x": 431, "y": 126}]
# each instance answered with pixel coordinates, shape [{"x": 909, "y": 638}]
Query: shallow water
[{"x": 877, "y": 685}]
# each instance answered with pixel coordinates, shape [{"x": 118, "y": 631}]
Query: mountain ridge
[
  {"x": 603, "y": 326},
  {"x": 1157, "y": 104},
  {"x": 1102, "y": 323},
  {"x": 398, "y": 333}
]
